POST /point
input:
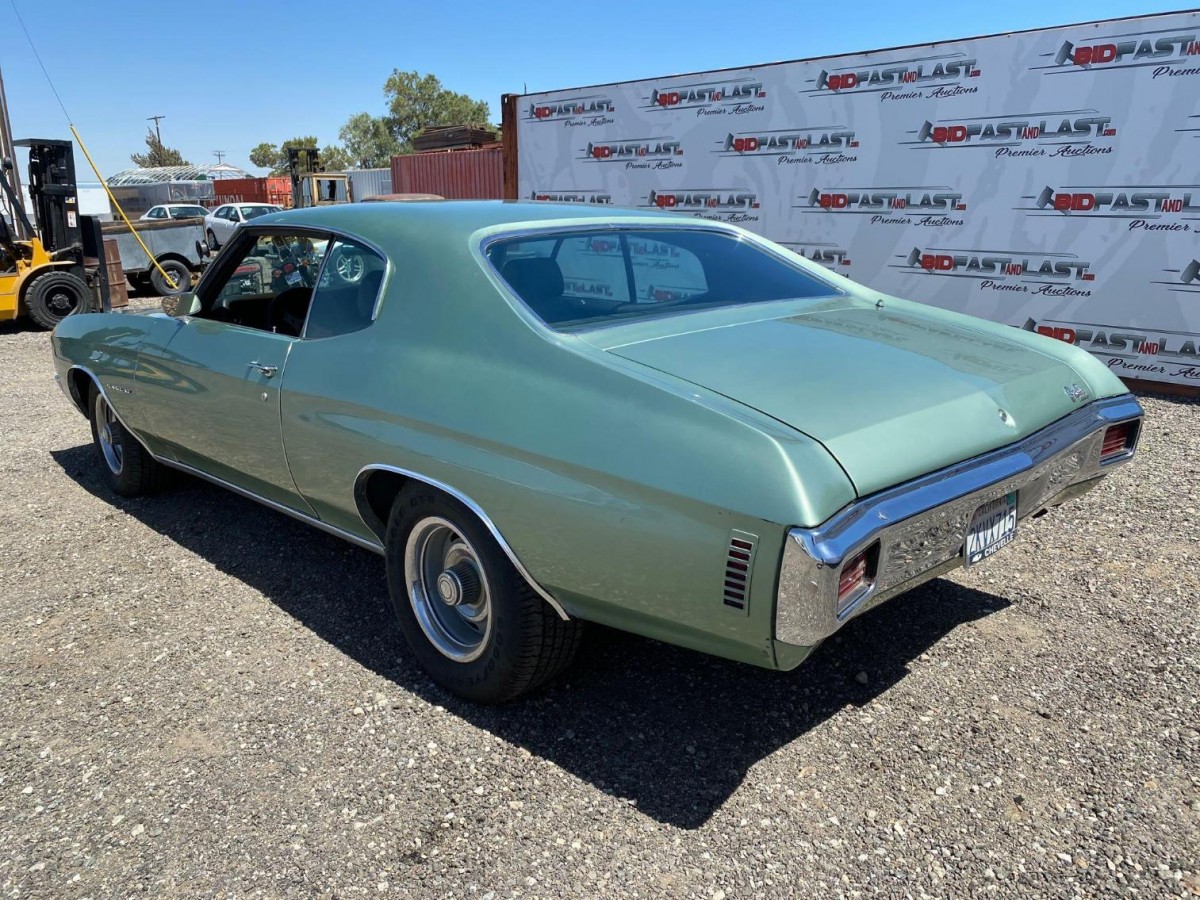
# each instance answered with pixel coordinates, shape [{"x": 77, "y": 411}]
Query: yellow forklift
[
  {"x": 60, "y": 269},
  {"x": 311, "y": 184}
]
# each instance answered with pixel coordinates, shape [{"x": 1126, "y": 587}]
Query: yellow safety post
[{"x": 117, "y": 206}]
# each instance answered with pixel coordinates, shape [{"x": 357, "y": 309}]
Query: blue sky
[{"x": 228, "y": 75}]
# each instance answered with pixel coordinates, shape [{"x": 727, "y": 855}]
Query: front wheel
[
  {"x": 212, "y": 241},
  {"x": 52, "y": 296},
  {"x": 473, "y": 623},
  {"x": 129, "y": 468}
]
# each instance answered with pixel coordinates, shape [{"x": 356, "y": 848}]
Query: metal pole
[
  {"x": 157, "y": 133},
  {"x": 8, "y": 151}
]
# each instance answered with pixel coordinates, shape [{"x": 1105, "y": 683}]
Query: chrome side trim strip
[
  {"x": 103, "y": 393},
  {"x": 220, "y": 482},
  {"x": 920, "y": 526},
  {"x": 475, "y": 508},
  {"x": 373, "y": 546}
]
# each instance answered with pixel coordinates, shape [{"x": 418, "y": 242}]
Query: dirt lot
[{"x": 202, "y": 697}]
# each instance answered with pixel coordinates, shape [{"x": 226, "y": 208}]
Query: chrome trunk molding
[{"x": 921, "y": 525}]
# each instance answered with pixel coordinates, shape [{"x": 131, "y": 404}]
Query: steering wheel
[{"x": 288, "y": 310}]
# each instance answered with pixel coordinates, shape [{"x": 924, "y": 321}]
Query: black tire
[
  {"x": 526, "y": 642},
  {"x": 212, "y": 241},
  {"x": 178, "y": 271},
  {"x": 52, "y": 296},
  {"x": 130, "y": 471}
]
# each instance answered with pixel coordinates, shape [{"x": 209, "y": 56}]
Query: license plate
[{"x": 993, "y": 526}]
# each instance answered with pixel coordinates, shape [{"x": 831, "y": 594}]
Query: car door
[{"x": 212, "y": 393}]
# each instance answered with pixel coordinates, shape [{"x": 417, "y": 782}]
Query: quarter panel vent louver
[{"x": 739, "y": 566}]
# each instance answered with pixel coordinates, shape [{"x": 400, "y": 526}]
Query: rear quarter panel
[{"x": 617, "y": 494}]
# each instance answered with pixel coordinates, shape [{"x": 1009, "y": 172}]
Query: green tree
[
  {"x": 274, "y": 156},
  {"x": 157, "y": 154},
  {"x": 416, "y": 102},
  {"x": 368, "y": 140}
]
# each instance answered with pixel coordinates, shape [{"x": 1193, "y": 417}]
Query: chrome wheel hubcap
[
  {"x": 349, "y": 268},
  {"x": 109, "y": 435},
  {"x": 448, "y": 589}
]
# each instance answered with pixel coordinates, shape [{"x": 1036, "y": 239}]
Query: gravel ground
[{"x": 202, "y": 697}]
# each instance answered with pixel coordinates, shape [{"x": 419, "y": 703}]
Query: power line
[{"x": 38, "y": 56}]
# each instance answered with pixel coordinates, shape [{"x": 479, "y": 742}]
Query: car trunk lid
[{"x": 892, "y": 394}]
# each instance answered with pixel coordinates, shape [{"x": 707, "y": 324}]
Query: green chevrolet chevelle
[{"x": 543, "y": 415}]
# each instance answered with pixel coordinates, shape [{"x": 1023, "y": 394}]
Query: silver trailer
[{"x": 175, "y": 244}]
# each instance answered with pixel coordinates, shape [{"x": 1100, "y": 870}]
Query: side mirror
[{"x": 185, "y": 304}]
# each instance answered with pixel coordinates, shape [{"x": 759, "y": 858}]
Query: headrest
[{"x": 534, "y": 278}]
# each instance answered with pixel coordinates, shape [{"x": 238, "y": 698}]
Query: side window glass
[
  {"x": 593, "y": 268},
  {"x": 156, "y": 213},
  {"x": 663, "y": 271},
  {"x": 270, "y": 286},
  {"x": 348, "y": 290}
]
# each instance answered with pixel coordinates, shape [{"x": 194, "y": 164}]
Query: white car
[
  {"x": 165, "y": 211},
  {"x": 220, "y": 224}
]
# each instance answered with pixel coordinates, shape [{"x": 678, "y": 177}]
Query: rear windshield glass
[{"x": 589, "y": 278}]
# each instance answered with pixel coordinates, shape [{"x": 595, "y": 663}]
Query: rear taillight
[
  {"x": 1117, "y": 440},
  {"x": 857, "y": 574}
]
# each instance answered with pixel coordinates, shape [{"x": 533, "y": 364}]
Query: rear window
[{"x": 587, "y": 278}]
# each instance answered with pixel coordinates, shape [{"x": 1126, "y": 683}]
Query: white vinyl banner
[{"x": 1047, "y": 179}]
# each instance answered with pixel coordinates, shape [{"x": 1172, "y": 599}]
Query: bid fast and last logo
[
  {"x": 915, "y": 78},
  {"x": 718, "y": 204},
  {"x": 830, "y": 255},
  {"x": 600, "y": 197},
  {"x": 1168, "y": 53},
  {"x": 1133, "y": 352},
  {"x": 928, "y": 206},
  {"x": 818, "y": 145},
  {"x": 1145, "y": 207},
  {"x": 709, "y": 98},
  {"x": 1004, "y": 271},
  {"x": 1073, "y": 133},
  {"x": 594, "y": 109},
  {"x": 1185, "y": 280},
  {"x": 636, "y": 153}
]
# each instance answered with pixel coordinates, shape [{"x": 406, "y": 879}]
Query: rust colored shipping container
[
  {"x": 454, "y": 174},
  {"x": 254, "y": 190}
]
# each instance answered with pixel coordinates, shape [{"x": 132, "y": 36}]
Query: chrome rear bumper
[{"x": 921, "y": 525}]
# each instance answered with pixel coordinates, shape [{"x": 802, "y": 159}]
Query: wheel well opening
[
  {"x": 175, "y": 257},
  {"x": 78, "y": 383},
  {"x": 374, "y": 495}
]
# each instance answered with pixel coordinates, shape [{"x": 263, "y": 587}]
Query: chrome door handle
[{"x": 267, "y": 371}]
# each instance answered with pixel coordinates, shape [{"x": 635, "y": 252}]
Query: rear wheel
[
  {"x": 180, "y": 274},
  {"x": 472, "y": 621},
  {"x": 128, "y": 468},
  {"x": 52, "y": 296}
]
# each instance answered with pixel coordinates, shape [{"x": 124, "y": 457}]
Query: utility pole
[
  {"x": 7, "y": 151},
  {"x": 157, "y": 134},
  {"x": 219, "y": 154}
]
